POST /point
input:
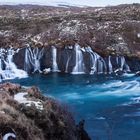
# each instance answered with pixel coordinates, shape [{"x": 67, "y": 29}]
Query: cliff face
[
  {"x": 71, "y": 39},
  {"x": 109, "y": 30},
  {"x": 31, "y": 116}
]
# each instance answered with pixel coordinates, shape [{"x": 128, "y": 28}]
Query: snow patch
[
  {"x": 72, "y": 27},
  {"x": 138, "y": 35},
  {"x": 2, "y": 112},
  {"x": 20, "y": 97}
]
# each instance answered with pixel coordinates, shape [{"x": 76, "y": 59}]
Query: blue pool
[{"x": 109, "y": 104}]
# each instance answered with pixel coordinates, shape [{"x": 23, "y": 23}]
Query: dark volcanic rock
[
  {"x": 31, "y": 116},
  {"x": 66, "y": 59},
  {"x": 19, "y": 58},
  {"x": 46, "y": 60}
]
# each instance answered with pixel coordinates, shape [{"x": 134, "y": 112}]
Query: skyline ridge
[{"x": 79, "y": 3}]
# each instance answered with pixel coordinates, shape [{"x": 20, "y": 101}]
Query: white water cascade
[
  {"x": 54, "y": 58},
  {"x": 124, "y": 65},
  {"x": 117, "y": 60},
  {"x": 32, "y": 59},
  {"x": 67, "y": 64},
  {"x": 10, "y": 71},
  {"x": 98, "y": 64},
  {"x": 79, "y": 67},
  {"x": 110, "y": 65}
]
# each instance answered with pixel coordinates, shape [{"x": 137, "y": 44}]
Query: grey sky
[{"x": 75, "y": 2}]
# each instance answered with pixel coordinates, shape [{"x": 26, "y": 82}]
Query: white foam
[
  {"x": 129, "y": 74},
  {"x": 135, "y": 114}
]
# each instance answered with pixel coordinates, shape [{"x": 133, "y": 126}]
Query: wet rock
[
  {"x": 46, "y": 60},
  {"x": 82, "y": 134},
  {"x": 138, "y": 73},
  {"x": 19, "y": 58},
  {"x": 118, "y": 71}
]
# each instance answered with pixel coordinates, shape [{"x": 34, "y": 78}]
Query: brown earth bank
[
  {"x": 108, "y": 30},
  {"x": 31, "y": 116}
]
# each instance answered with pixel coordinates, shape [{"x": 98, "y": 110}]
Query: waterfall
[
  {"x": 99, "y": 66},
  {"x": 10, "y": 71},
  {"x": 67, "y": 64},
  {"x": 32, "y": 59},
  {"x": 54, "y": 57},
  {"x": 124, "y": 65},
  {"x": 97, "y": 62},
  {"x": 122, "y": 62},
  {"x": 110, "y": 65},
  {"x": 117, "y": 60},
  {"x": 93, "y": 58},
  {"x": 79, "y": 66},
  {"x": 69, "y": 56}
]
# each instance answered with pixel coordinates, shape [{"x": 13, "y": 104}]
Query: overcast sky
[{"x": 75, "y": 2}]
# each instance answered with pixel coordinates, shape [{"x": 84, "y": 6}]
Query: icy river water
[{"x": 109, "y": 104}]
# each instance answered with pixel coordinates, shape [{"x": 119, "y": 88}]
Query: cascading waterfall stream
[
  {"x": 98, "y": 63},
  {"x": 69, "y": 57},
  {"x": 93, "y": 59},
  {"x": 10, "y": 71},
  {"x": 99, "y": 66},
  {"x": 54, "y": 58},
  {"x": 117, "y": 60},
  {"x": 32, "y": 59},
  {"x": 67, "y": 64},
  {"x": 124, "y": 65},
  {"x": 79, "y": 67},
  {"x": 110, "y": 65}
]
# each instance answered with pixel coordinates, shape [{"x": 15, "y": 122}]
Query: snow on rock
[
  {"x": 20, "y": 97},
  {"x": 2, "y": 112},
  {"x": 138, "y": 35},
  {"x": 71, "y": 28},
  {"x": 5, "y": 33}
]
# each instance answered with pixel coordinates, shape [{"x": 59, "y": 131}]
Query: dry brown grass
[{"x": 54, "y": 122}]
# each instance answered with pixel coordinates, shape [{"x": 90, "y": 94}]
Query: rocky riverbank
[{"x": 32, "y": 116}]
